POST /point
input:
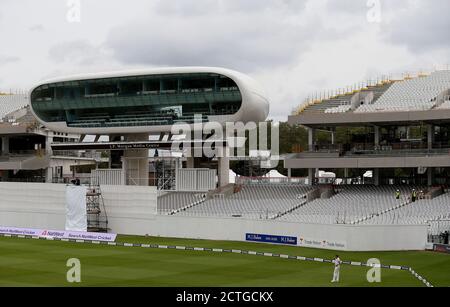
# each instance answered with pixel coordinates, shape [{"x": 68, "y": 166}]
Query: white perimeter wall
[
  {"x": 32, "y": 205},
  {"x": 132, "y": 210},
  {"x": 129, "y": 208},
  {"x": 43, "y": 205},
  {"x": 338, "y": 237}
]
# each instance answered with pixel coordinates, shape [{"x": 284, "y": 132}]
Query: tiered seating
[
  {"x": 254, "y": 201},
  {"x": 349, "y": 205},
  {"x": 445, "y": 104},
  {"x": 377, "y": 91},
  {"x": 11, "y": 103},
  {"x": 412, "y": 94},
  {"x": 420, "y": 212},
  {"x": 331, "y": 103},
  {"x": 342, "y": 103},
  {"x": 176, "y": 200},
  {"x": 339, "y": 109}
]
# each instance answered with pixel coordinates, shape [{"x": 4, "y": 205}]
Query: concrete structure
[
  {"x": 26, "y": 154},
  {"x": 145, "y": 101},
  {"x": 406, "y": 126},
  {"x": 130, "y": 105},
  {"x": 133, "y": 210}
]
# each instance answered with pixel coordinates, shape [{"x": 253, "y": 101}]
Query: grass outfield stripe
[{"x": 352, "y": 263}]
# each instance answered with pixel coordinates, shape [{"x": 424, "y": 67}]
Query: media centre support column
[
  {"x": 224, "y": 168},
  {"x": 135, "y": 162}
]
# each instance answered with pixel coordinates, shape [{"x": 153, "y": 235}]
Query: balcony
[
  {"x": 24, "y": 160},
  {"x": 139, "y": 99}
]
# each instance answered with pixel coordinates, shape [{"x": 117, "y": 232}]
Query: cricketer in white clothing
[{"x": 337, "y": 268}]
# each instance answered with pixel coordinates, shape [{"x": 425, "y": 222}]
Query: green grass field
[{"x": 27, "y": 262}]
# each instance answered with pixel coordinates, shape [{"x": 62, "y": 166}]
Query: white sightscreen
[{"x": 76, "y": 218}]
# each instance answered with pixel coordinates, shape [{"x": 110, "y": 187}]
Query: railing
[
  {"x": 19, "y": 154},
  {"x": 66, "y": 178},
  {"x": 269, "y": 180},
  {"x": 326, "y": 148},
  {"x": 139, "y": 100},
  {"x": 75, "y": 154},
  {"x": 395, "y": 151},
  {"x": 24, "y": 152},
  {"x": 383, "y": 150}
]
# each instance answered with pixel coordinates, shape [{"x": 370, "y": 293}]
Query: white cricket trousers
[{"x": 337, "y": 270}]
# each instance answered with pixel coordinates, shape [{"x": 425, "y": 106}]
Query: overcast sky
[{"x": 292, "y": 47}]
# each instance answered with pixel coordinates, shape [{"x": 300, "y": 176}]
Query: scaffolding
[
  {"x": 97, "y": 219},
  {"x": 165, "y": 173}
]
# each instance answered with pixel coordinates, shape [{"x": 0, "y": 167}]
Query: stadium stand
[
  {"x": 11, "y": 103},
  {"x": 253, "y": 201},
  {"x": 420, "y": 212},
  {"x": 333, "y": 103},
  {"x": 173, "y": 201},
  {"x": 349, "y": 205},
  {"x": 445, "y": 104},
  {"x": 411, "y": 94},
  {"x": 343, "y": 103},
  {"x": 352, "y": 204}
]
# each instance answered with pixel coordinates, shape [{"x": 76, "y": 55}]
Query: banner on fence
[{"x": 59, "y": 234}]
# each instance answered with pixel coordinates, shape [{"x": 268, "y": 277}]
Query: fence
[{"x": 107, "y": 177}]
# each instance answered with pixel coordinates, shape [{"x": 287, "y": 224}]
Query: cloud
[
  {"x": 7, "y": 59},
  {"x": 217, "y": 33},
  {"x": 204, "y": 7},
  {"x": 292, "y": 47},
  {"x": 80, "y": 52},
  {"x": 421, "y": 26},
  {"x": 347, "y": 6},
  {"x": 37, "y": 28}
]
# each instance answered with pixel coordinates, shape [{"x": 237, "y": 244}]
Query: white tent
[
  {"x": 274, "y": 174},
  {"x": 368, "y": 174},
  {"x": 323, "y": 174},
  {"x": 232, "y": 176}
]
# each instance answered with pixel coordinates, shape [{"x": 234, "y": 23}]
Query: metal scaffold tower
[
  {"x": 165, "y": 173},
  {"x": 97, "y": 219}
]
